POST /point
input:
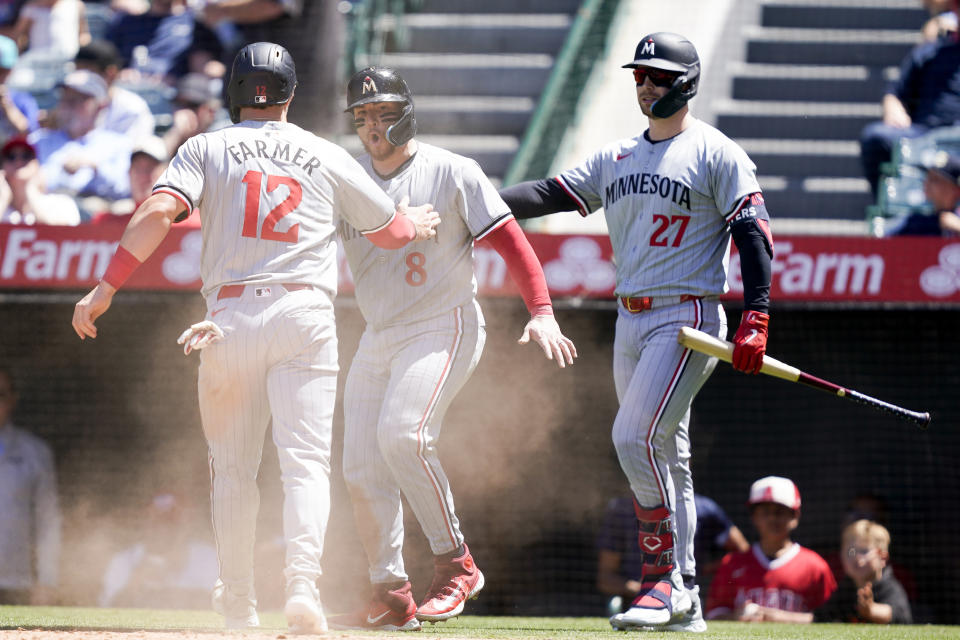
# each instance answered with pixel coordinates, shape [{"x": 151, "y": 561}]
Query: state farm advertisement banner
[{"x": 805, "y": 268}]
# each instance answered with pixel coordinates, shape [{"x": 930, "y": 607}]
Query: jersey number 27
[{"x": 251, "y": 211}]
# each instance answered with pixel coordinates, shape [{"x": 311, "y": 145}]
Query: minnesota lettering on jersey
[
  {"x": 280, "y": 152},
  {"x": 652, "y": 183}
]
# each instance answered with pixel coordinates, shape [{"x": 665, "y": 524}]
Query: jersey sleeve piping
[
  {"x": 581, "y": 203},
  {"x": 736, "y": 208},
  {"x": 381, "y": 227},
  {"x": 496, "y": 224},
  {"x": 176, "y": 193}
]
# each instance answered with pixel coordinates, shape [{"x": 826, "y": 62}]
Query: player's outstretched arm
[
  {"x": 536, "y": 198},
  {"x": 425, "y": 220},
  {"x": 525, "y": 270},
  {"x": 409, "y": 224},
  {"x": 146, "y": 230}
]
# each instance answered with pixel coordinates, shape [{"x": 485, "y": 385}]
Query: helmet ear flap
[
  {"x": 401, "y": 131},
  {"x": 683, "y": 88}
]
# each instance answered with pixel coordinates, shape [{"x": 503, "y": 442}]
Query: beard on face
[{"x": 378, "y": 147}]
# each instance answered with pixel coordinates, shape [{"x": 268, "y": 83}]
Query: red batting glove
[{"x": 750, "y": 342}]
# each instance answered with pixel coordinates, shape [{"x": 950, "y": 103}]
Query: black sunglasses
[
  {"x": 658, "y": 77},
  {"x": 19, "y": 155}
]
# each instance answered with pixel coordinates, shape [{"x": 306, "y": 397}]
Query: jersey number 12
[{"x": 251, "y": 212}]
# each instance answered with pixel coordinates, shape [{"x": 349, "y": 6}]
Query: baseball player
[
  {"x": 423, "y": 339},
  {"x": 673, "y": 197},
  {"x": 269, "y": 195}
]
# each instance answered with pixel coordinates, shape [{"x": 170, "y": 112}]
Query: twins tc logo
[
  {"x": 261, "y": 95},
  {"x": 368, "y": 86}
]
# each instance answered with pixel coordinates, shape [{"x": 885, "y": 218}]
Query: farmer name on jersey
[
  {"x": 652, "y": 183},
  {"x": 280, "y": 152}
]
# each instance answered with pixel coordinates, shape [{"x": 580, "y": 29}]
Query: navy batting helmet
[
  {"x": 382, "y": 84},
  {"x": 670, "y": 52},
  {"x": 263, "y": 74}
]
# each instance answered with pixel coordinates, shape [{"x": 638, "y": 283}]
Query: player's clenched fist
[
  {"x": 750, "y": 342},
  {"x": 545, "y": 331},
  {"x": 424, "y": 218}
]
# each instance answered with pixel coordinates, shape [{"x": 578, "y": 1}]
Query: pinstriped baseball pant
[
  {"x": 656, "y": 380},
  {"x": 278, "y": 360},
  {"x": 398, "y": 389}
]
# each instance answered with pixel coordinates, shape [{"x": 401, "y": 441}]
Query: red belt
[
  {"x": 236, "y": 290},
  {"x": 636, "y": 305}
]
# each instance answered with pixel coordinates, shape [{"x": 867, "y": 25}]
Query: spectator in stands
[
  {"x": 167, "y": 567},
  {"x": 30, "y": 521},
  {"x": 869, "y": 592},
  {"x": 941, "y": 186},
  {"x": 166, "y": 42},
  {"x": 147, "y": 161},
  {"x": 869, "y": 506},
  {"x": 125, "y": 111},
  {"x": 258, "y": 20},
  {"x": 619, "y": 561},
  {"x": 78, "y": 158},
  {"x": 198, "y": 104},
  {"x": 925, "y": 96},
  {"x": 776, "y": 580},
  {"x": 52, "y": 27},
  {"x": 9, "y": 12},
  {"x": 942, "y": 20},
  {"x": 18, "y": 109},
  {"x": 23, "y": 196}
]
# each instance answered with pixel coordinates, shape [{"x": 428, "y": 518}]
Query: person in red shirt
[{"x": 776, "y": 580}]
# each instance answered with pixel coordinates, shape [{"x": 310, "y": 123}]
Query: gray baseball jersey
[
  {"x": 423, "y": 339},
  {"x": 425, "y": 279},
  {"x": 269, "y": 194},
  {"x": 667, "y": 206}
]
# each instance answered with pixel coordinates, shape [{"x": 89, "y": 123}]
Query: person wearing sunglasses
[
  {"x": 23, "y": 195},
  {"x": 673, "y": 196}
]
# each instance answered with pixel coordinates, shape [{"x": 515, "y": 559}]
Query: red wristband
[{"x": 121, "y": 266}]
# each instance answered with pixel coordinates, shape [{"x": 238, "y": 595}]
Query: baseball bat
[{"x": 711, "y": 346}]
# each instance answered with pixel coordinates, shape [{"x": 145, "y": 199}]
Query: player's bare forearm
[{"x": 150, "y": 224}]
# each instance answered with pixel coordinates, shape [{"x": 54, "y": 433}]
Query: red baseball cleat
[
  {"x": 454, "y": 582},
  {"x": 388, "y": 610}
]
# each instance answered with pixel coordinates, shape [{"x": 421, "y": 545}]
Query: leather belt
[
  {"x": 638, "y": 305},
  {"x": 236, "y": 290}
]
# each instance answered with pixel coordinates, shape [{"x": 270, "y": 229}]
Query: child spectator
[
  {"x": 777, "y": 580},
  {"x": 869, "y": 592}
]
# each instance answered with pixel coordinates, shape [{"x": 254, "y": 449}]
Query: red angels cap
[{"x": 775, "y": 489}]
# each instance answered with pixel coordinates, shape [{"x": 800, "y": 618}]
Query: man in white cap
[
  {"x": 776, "y": 580},
  {"x": 79, "y": 158}
]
